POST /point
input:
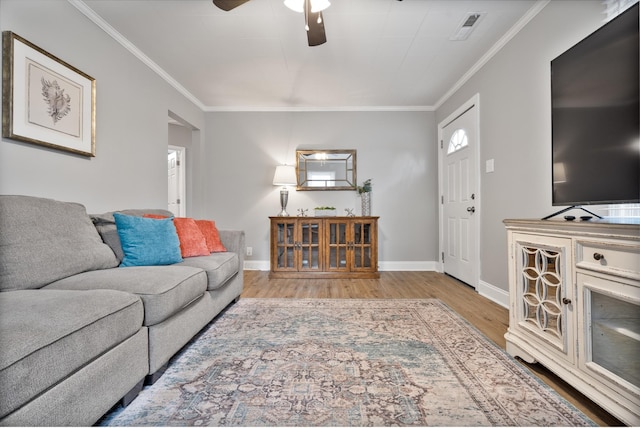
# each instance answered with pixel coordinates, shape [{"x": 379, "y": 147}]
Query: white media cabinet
[{"x": 574, "y": 306}]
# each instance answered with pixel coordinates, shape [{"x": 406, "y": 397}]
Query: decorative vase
[{"x": 366, "y": 203}]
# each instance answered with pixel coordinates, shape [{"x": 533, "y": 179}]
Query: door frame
[
  {"x": 472, "y": 102},
  {"x": 182, "y": 187}
]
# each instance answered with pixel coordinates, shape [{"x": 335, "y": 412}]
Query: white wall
[
  {"x": 397, "y": 150},
  {"x": 515, "y": 124},
  {"x": 132, "y": 104}
]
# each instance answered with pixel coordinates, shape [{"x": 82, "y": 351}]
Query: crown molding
[
  {"x": 104, "y": 25},
  {"x": 319, "y": 109}
]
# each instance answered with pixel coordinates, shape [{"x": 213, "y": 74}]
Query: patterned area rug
[{"x": 321, "y": 362}]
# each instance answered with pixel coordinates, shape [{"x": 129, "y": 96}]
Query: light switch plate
[{"x": 489, "y": 166}]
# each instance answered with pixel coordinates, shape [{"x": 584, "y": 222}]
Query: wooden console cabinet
[
  {"x": 324, "y": 247},
  {"x": 574, "y": 306}
]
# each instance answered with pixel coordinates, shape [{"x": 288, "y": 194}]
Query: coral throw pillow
[
  {"x": 192, "y": 241},
  {"x": 147, "y": 242},
  {"x": 156, "y": 216},
  {"x": 211, "y": 235}
]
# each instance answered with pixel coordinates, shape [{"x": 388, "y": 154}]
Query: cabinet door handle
[
  {"x": 566, "y": 301},
  {"x": 598, "y": 256}
]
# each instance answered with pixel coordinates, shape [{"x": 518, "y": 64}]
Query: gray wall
[
  {"x": 132, "y": 104},
  {"x": 232, "y": 156},
  {"x": 397, "y": 150},
  {"x": 515, "y": 124}
]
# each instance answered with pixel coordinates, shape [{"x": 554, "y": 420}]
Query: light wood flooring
[{"x": 488, "y": 317}]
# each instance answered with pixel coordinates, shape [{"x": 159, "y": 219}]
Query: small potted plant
[
  {"x": 325, "y": 211},
  {"x": 365, "y": 188}
]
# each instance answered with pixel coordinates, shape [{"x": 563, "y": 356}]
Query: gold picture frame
[
  {"x": 326, "y": 169},
  {"x": 46, "y": 101}
]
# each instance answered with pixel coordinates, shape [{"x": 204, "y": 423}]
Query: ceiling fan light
[{"x": 316, "y": 5}]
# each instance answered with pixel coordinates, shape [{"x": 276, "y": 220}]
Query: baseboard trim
[
  {"x": 382, "y": 266},
  {"x": 257, "y": 265},
  {"x": 493, "y": 293}
]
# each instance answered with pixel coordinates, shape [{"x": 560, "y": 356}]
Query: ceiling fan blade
[
  {"x": 228, "y": 5},
  {"x": 315, "y": 34}
]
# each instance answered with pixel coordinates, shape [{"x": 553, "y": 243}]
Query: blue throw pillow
[{"x": 147, "y": 241}]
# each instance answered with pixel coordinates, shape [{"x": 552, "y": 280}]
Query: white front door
[
  {"x": 173, "y": 166},
  {"x": 459, "y": 153}
]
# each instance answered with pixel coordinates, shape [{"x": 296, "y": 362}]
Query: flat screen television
[{"x": 595, "y": 117}]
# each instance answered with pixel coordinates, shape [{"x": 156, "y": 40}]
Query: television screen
[{"x": 595, "y": 117}]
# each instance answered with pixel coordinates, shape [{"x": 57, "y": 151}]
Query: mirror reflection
[{"x": 326, "y": 169}]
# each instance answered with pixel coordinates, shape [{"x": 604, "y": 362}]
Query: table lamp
[{"x": 285, "y": 176}]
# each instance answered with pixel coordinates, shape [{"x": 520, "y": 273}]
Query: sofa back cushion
[{"x": 42, "y": 240}]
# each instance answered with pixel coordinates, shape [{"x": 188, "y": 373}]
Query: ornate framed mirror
[{"x": 326, "y": 169}]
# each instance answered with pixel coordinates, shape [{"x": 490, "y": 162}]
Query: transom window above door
[{"x": 458, "y": 141}]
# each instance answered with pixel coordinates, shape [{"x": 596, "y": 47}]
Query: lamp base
[{"x": 284, "y": 198}]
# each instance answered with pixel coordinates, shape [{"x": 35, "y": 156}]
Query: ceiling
[{"x": 380, "y": 54}]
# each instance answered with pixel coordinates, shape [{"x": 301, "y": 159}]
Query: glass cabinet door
[
  {"x": 363, "y": 245},
  {"x": 337, "y": 246},
  {"x": 309, "y": 243},
  {"x": 610, "y": 330},
  {"x": 285, "y": 245}
]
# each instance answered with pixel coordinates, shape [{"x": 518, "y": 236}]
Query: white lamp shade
[
  {"x": 298, "y": 5},
  {"x": 285, "y": 176}
]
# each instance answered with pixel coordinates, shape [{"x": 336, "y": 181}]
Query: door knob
[{"x": 471, "y": 209}]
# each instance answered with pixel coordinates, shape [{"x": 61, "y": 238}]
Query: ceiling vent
[{"x": 467, "y": 25}]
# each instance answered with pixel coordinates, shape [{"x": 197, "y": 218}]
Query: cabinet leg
[{"x": 516, "y": 351}]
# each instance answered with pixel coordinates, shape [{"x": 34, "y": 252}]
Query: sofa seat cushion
[
  {"x": 56, "y": 237},
  {"x": 45, "y": 336},
  {"x": 218, "y": 266},
  {"x": 164, "y": 290}
]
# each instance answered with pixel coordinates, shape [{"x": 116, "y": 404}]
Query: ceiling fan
[{"x": 314, "y": 22}]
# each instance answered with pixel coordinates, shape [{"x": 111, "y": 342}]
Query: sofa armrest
[{"x": 233, "y": 241}]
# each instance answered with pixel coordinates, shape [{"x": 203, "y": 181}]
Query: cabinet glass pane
[
  {"x": 280, "y": 234},
  {"x": 542, "y": 290},
  {"x": 362, "y": 233},
  {"x": 285, "y": 257},
  {"x": 337, "y": 233},
  {"x": 615, "y": 336},
  {"x": 310, "y": 258},
  {"x": 338, "y": 257},
  {"x": 310, "y": 233},
  {"x": 362, "y": 256}
]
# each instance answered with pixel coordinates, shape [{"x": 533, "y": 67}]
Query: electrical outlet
[{"x": 249, "y": 251}]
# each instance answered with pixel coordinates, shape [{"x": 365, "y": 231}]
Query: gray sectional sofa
[{"x": 78, "y": 333}]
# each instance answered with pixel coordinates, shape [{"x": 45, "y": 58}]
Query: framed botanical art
[{"x": 46, "y": 101}]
